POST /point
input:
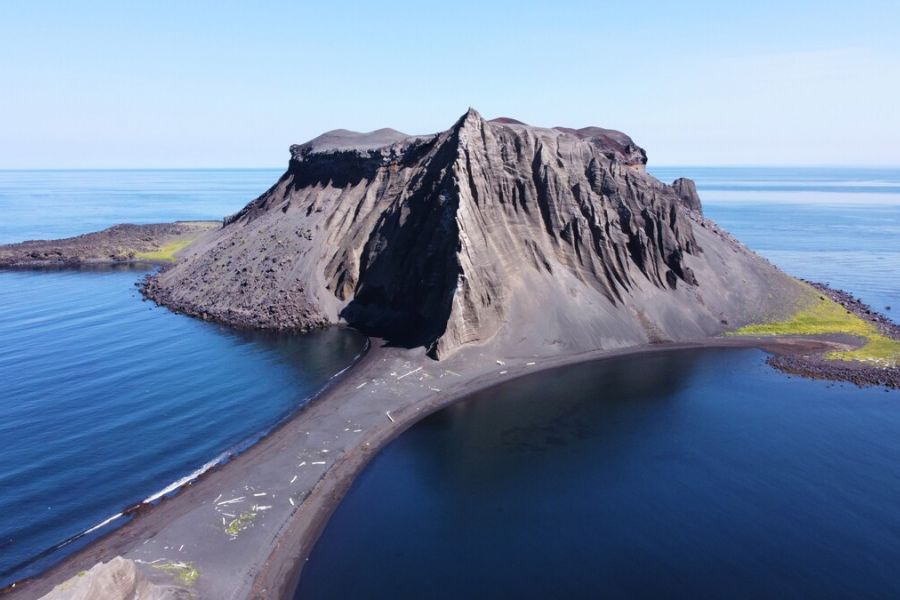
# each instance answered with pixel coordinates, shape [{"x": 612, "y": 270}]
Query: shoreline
[
  {"x": 279, "y": 576},
  {"x": 175, "y": 487},
  {"x": 156, "y": 244},
  {"x": 269, "y": 555}
]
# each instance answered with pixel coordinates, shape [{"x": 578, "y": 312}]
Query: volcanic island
[{"x": 482, "y": 253}]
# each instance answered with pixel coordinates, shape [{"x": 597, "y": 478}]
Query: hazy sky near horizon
[{"x": 99, "y": 84}]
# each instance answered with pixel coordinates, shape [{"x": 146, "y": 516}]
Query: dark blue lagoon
[{"x": 672, "y": 475}]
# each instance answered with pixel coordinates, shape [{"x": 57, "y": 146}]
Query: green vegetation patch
[
  {"x": 166, "y": 253},
  {"x": 186, "y": 573},
  {"x": 242, "y": 522},
  {"x": 826, "y": 316}
]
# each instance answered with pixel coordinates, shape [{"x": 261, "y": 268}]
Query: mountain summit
[{"x": 533, "y": 240}]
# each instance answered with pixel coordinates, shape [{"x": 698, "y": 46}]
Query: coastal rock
[
  {"x": 119, "y": 244},
  {"x": 533, "y": 240},
  {"x": 687, "y": 191},
  {"x": 118, "y": 579}
]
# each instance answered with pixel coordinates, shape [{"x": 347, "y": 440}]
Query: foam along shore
[
  {"x": 156, "y": 243},
  {"x": 246, "y": 528}
]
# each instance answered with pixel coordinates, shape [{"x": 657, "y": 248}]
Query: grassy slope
[
  {"x": 166, "y": 253},
  {"x": 824, "y": 316}
]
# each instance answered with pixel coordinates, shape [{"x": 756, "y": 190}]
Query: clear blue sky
[{"x": 224, "y": 84}]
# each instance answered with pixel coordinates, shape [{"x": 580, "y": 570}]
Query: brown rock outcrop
[{"x": 118, "y": 579}]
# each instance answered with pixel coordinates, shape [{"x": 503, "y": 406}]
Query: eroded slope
[{"x": 538, "y": 241}]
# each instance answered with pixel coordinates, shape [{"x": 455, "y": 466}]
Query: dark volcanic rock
[
  {"x": 818, "y": 367},
  {"x": 615, "y": 145},
  {"x": 687, "y": 191},
  {"x": 117, "y": 244},
  {"x": 536, "y": 241}
]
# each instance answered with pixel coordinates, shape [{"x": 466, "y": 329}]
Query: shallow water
[{"x": 681, "y": 474}]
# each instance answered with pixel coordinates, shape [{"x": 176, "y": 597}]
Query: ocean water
[
  {"x": 683, "y": 474},
  {"x": 106, "y": 400},
  {"x": 838, "y": 226},
  {"x": 40, "y": 205}
]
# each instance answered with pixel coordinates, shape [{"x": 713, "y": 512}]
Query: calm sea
[
  {"x": 106, "y": 400},
  {"x": 838, "y": 226},
  {"x": 677, "y": 475}
]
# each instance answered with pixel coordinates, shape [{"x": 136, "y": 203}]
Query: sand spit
[{"x": 246, "y": 528}]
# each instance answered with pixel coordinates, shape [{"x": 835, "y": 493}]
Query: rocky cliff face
[{"x": 533, "y": 240}]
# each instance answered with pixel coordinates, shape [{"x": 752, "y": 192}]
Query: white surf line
[
  {"x": 102, "y": 523},
  {"x": 410, "y": 373},
  {"x": 362, "y": 385},
  {"x": 388, "y": 413},
  {"x": 185, "y": 480},
  {"x": 221, "y": 458}
]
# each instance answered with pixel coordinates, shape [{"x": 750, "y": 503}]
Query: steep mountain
[{"x": 532, "y": 240}]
